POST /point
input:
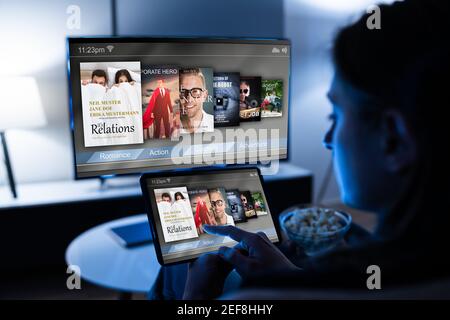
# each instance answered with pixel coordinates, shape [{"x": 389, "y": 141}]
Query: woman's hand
[
  {"x": 254, "y": 253},
  {"x": 206, "y": 277}
]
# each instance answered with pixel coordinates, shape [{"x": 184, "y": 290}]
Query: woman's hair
[
  {"x": 406, "y": 65},
  {"x": 178, "y": 194},
  {"x": 122, "y": 72},
  {"x": 382, "y": 62}
]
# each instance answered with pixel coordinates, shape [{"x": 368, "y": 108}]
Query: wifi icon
[{"x": 110, "y": 48}]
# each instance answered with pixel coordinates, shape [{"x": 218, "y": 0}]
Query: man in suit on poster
[{"x": 159, "y": 108}]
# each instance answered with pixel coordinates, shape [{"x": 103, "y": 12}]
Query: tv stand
[{"x": 113, "y": 182}]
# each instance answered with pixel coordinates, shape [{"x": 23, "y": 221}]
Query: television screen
[{"x": 142, "y": 104}]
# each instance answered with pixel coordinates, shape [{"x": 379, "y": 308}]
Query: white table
[{"x": 104, "y": 262}]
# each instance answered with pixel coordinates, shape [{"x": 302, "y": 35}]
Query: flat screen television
[{"x": 144, "y": 104}]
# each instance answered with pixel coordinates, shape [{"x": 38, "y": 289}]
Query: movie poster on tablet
[
  {"x": 201, "y": 208},
  {"x": 221, "y": 209},
  {"x": 248, "y": 204},
  {"x": 235, "y": 205},
  {"x": 259, "y": 204},
  {"x": 175, "y": 213}
]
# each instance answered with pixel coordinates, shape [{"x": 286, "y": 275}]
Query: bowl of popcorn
[{"x": 315, "y": 229}]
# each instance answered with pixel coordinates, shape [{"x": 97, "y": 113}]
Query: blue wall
[{"x": 229, "y": 18}]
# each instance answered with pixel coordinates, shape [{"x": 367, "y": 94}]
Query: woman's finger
[
  {"x": 236, "y": 259},
  {"x": 234, "y": 233}
]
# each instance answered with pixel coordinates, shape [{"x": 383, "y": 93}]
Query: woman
[
  {"x": 123, "y": 75},
  {"x": 179, "y": 196},
  {"x": 389, "y": 138}
]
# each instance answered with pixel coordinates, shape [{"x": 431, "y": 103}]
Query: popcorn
[{"x": 313, "y": 221}]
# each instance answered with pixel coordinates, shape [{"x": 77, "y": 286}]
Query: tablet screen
[{"x": 182, "y": 204}]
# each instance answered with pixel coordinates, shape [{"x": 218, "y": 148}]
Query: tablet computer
[{"x": 179, "y": 204}]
